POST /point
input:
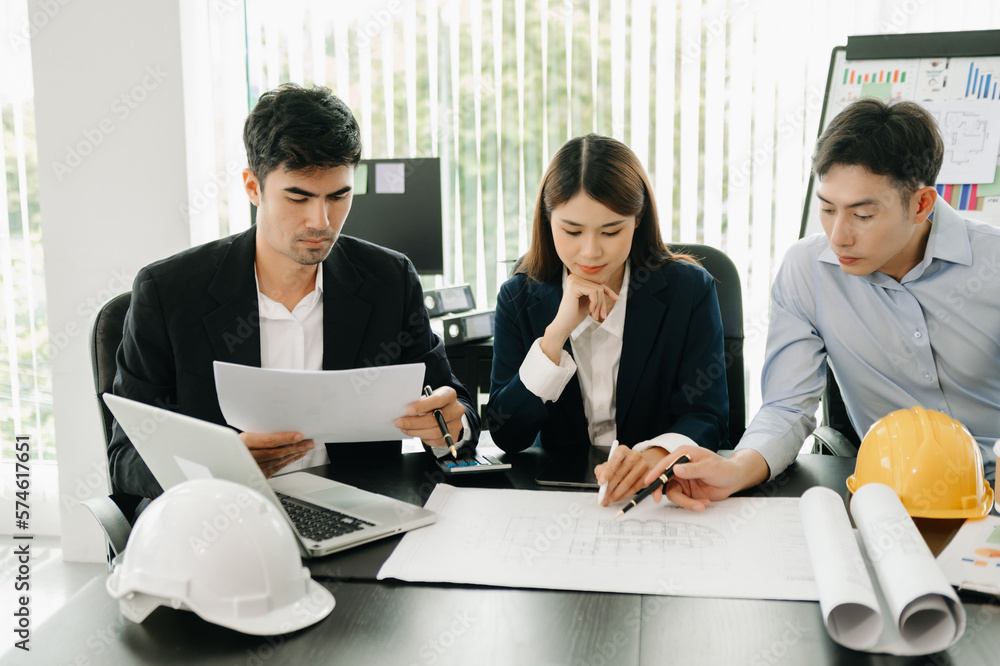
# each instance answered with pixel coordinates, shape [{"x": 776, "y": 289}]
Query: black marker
[
  {"x": 661, "y": 480},
  {"x": 442, "y": 425}
]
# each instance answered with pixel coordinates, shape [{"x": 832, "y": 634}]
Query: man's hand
[
  {"x": 625, "y": 470},
  {"x": 273, "y": 451},
  {"x": 420, "y": 422},
  {"x": 708, "y": 477}
]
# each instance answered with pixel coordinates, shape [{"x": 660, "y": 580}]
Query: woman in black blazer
[{"x": 603, "y": 334}]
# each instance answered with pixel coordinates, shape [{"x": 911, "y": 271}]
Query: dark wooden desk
[{"x": 398, "y": 623}]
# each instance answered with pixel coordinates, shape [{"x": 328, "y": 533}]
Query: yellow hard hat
[{"x": 930, "y": 460}]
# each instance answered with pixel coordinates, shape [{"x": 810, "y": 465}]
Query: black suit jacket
[
  {"x": 671, "y": 377},
  {"x": 200, "y": 305}
]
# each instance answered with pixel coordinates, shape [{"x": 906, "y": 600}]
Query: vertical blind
[{"x": 25, "y": 378}]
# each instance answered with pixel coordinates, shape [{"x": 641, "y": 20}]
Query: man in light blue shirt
[{"x": 901, "y": 296}]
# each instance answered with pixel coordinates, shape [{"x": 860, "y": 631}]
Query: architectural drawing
[{"x": 739, "y": 548}]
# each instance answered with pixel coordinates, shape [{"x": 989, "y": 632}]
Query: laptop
[{"x": 326, "y": 516}]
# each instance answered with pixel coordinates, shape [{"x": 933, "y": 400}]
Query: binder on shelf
[
  {"x": 468, "y": 328},
  {"x": 449, "y": 300}
]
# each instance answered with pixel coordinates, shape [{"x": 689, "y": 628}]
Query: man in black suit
[{"x": 260, "y": 298}]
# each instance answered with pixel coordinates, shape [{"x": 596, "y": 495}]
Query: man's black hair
[
  {"x": 300, "y": 129},
  {"x": 900, "y": 140}
]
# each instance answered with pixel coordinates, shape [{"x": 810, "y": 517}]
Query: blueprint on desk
[{"x": 751, "y": 548}]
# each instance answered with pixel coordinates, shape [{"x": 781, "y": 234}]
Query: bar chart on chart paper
[
  {"x": 885, "y": 79},
  {"x": 740, "y": 548},
  {"x": 976, "y": 78},
  {"x": 918, "y": 79}
]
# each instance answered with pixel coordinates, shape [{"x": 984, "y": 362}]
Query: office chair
[
  {"x": 730, "y": 293},
  {"x": 117, "y": 512},
  {"x": 835, "y": 435}
]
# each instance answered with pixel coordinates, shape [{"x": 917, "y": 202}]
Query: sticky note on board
[
  {"x": 882, "y": 91},
  {"x": 390, "y": 178},
  {"x": 361, "y": 179},
  {"x": 990, "y": 189}
]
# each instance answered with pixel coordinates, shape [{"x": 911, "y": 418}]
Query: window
[{"x": 27, "y": 344}]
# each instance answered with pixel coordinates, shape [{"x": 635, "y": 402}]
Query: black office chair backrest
[
  {"x": 730, "y": 293},
  {"x": 105, "y": 338},
  {"x": 835, "y": 411}
]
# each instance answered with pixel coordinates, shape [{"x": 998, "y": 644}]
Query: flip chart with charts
[{"x": 956, "y": 76}]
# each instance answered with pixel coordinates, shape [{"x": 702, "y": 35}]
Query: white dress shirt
[
  {"x": 294, "y": 341},
  {"x": 597, "y": 353}
]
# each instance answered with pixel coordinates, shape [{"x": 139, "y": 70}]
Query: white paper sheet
[
  {"x": 326, "y": 406},
  {"x": 390, "y": 178},
  {"x": 972, "y": 559},
  {"x": 970, "y": 130},
  {"x": 750, "y": 548},
  {"x": 916, "y": 611}
]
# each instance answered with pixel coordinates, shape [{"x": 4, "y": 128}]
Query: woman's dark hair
[
  {"x": 609, "y": 173},
  {"x": 300, "y": 129},
  {"x": 899, "y": 140}
]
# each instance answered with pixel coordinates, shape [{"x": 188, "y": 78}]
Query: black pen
[
  {"x": 442, "y": 425},
  {"x": 648, "y": 490}
]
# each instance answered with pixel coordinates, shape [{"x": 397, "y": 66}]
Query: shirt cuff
[
  {"x": 668, "y": 441},
  {"x": 441, "y": 451},
  {"x": 777, "y": 454},
  {"x": 543, "y": 377}
]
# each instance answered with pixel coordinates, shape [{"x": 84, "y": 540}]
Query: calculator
[{"x": 473, "y": 465}]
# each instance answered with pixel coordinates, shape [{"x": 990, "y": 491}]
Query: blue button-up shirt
[{"x": 932, "y": 339}]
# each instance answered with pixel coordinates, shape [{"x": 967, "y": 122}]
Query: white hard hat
[{"x": 223, "y": 551}]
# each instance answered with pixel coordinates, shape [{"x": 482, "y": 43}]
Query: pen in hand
[
  {"x": 661, "y": 480},
  {"x": 604, "y": 486},
  {"x": 442, "y": 425}
]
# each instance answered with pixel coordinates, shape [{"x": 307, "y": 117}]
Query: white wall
[{"x": 112, "y": 173}]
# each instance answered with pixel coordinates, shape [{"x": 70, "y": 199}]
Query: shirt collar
[
  {"x": 270, "y": 309},
  {"x": 615, "y": 322},
  {"x": 947, "y": 241}
]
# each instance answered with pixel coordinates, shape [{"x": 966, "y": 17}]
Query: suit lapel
[
  {"x": 644, "y": 313},
  {"x": 543, "y": 304},
  {"x": 234, "y": 327},
  {"x": 345, "y": 314}
]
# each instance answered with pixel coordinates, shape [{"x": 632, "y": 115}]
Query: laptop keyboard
[{"x": 320, "y": 523}]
